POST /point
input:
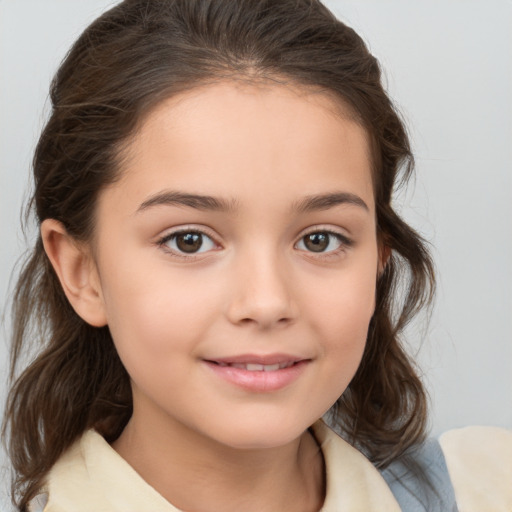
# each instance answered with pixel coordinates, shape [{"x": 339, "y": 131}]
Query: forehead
[{"x": 234, "y": 137}]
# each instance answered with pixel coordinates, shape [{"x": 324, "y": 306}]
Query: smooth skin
[{"x": 243, "y": 227}]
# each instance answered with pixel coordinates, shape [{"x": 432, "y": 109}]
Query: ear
[
  {"x": 76, "y": 271},
  {"x": 384, "y": 254}
]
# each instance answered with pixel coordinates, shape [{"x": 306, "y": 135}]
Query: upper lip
[{"x": 267, "y": 359}]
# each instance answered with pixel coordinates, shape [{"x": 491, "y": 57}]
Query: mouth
[
  {"x": 259, "y": 373},
  {"x": 258, "y": 363},
  {"x": 256, "y": 367}
]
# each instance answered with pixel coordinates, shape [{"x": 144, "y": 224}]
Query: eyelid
[{"x": 323, "y": 228}]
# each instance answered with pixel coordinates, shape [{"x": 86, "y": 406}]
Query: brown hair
[{"x": 126, "y": 62}]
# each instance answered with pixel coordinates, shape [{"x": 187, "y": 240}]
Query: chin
[{"x": 261, "y": 435}]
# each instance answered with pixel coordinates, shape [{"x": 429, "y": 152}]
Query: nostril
[
  {"x": 261, "y": 302},
  {"x": 265, "y": 322}
]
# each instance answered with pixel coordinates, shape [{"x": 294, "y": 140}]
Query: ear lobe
[{"x": 76, "y": 271}]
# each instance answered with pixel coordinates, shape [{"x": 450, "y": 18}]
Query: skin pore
[{"x": 240, "y": 234}]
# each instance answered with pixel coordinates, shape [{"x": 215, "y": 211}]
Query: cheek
[
  {"x": 346, "y": 304},
  {"x": 156, "y": 312},
  {"x": 341, "y": 314}
]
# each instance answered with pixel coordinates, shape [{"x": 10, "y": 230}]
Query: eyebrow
[
  {"x": 210, "y": 203},
  {"x": 326, "y": 201},
  {"x": 197, "y": 201}
]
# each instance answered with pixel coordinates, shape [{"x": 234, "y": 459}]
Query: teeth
[
  {"x": 240, "y": 366},
  {"x": 254, "y": 367}
]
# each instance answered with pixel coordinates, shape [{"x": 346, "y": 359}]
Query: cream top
[
  {"x": 479, "y": 461},
  {"x": 92, "y": 476}
]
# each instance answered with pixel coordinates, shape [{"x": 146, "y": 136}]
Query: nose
[{"x": 262, "y": 293}]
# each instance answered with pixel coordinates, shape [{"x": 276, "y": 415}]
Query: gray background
[{"x": 448, "y": 65}]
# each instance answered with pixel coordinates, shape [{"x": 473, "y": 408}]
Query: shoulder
[
  {"x": 479, "y": 461},
  {"x": 466, "y": 470},
  {"x": 353, "y": 484},
  {"x": 92, "y": 476},
  {"x": 69, "y": 479},
  {"x": 419, "y": 479}
]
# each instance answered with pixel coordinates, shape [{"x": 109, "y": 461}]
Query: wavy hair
[{"x": 127, "y": 61}]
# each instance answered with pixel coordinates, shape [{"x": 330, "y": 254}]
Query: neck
[{"x": 196, "y": 473}]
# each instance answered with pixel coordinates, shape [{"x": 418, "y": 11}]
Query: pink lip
[{"x": 259, "y": 381}]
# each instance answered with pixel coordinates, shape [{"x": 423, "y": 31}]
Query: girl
[{"x": 218, "y": 269}]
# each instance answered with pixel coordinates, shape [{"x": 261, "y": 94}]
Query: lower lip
[{"x": 259, "y": 381}]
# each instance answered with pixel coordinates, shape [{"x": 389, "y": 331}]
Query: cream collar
[{"x": 92, "y": 476}]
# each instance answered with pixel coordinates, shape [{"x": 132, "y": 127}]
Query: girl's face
[{"x": 236, "y": 262}]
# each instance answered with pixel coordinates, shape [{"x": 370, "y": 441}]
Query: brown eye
[
  {"x": 188, "y": 242},
  {"x": 322, "y": 241},
  {"x": 317, "y": 242}
]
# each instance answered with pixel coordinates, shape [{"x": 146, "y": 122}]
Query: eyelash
[{"x": 344, "y": 243}]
